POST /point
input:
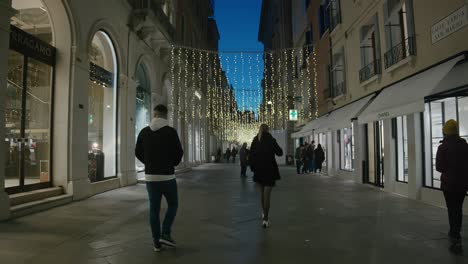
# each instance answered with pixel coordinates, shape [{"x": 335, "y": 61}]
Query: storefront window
[
  {"x": 436, "y": 114},
  {"x": 102, "y": 109},
  {"x": 143, "y": 100},
  {"x": 401, "y": 143},
  {"x": 28, "y": 98},
  {"x": 347, "y": 149}
]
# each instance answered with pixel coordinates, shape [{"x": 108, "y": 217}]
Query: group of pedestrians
[
  {"x": 159, "y": 148},
  {"x": 230, "y": 153},
  {"x": 309, "y": 158}
]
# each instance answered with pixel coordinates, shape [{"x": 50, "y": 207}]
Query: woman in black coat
[
  {"x": 319, "y": 158},
  {"x": 263, "y": 164}
]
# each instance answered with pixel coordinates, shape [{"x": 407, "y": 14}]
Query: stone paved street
[{"x": 315, "y": 219}]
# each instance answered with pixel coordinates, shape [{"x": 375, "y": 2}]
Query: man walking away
[
  {"x": 158, "y": 147},
  {"x": 451, "y": 161},
  {"x": 298, "y": 157}
]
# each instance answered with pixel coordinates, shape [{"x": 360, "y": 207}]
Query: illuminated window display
[{"x": 102, "y": 109}]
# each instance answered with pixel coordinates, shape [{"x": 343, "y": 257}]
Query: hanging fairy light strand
[{"x": 232, "y": 96}]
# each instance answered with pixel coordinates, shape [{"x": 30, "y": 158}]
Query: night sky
[{"x": 238, "y": 23}]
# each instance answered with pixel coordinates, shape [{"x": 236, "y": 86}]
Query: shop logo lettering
[
  {"x": 31, "y": 43},
  {"x": 383, "y": 115}
]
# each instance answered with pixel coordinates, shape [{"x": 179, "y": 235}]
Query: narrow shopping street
[{"x": 315, "y": 219}]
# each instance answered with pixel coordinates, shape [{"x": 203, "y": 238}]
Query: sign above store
[
  {"x": 31, "y": 46},
  {"x": 293, "y": 115},
  {"x": 450, "y": 24}
]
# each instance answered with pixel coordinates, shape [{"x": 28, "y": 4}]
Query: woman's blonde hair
[{"x": 263, "y": 128}]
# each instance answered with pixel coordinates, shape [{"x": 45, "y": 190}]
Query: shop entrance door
[
  {"x": 375, "y": 154},
  {"x": 28, "y": 109}
]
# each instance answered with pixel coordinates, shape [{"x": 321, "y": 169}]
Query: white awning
[
  {"x": 343, "y": 116},
  {"x": 310, "y": 127},
  {"x": 407, "y": 97},
  {"x": 456, "y": 78}
]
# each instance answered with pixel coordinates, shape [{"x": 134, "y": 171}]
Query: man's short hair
[{"x": 160, "y": 111}]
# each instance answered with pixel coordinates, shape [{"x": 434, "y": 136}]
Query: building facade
[
  {"x": 79, "y": 83},
  {"x": 396, "y": 75}
]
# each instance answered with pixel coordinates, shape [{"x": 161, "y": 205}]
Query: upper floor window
[
  {"x": 399, "y": 31},
  {"x": 370, "y": 50},
  {"x": 338, "y": 74},
  {"x": 323, "y": 17},
  {"x": 334, "y": 12}
]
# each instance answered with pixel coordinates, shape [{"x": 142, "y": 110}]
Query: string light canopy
[{"x": 233, "y": 95}]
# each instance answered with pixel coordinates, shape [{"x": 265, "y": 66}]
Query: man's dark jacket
[
  {"x": 158, "y": 147},
  {"x": 452, "y": 162}
]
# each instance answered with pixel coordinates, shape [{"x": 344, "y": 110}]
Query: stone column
[
  {"x": 127, "y": 172},
  {"x": 415, "y": 156},
  {"x": 5, "y": 12},
  {"x": 79, "y": 182}
]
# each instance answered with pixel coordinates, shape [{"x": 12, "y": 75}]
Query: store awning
[
  {"x": 407, "y": 97},
  {"x": 310, "y": 127},
  {"x": 454, "y": 83},
  {"x": 342, "y": 117}
]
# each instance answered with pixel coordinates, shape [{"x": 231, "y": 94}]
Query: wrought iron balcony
[
  {"x": 370, "y": 70},
  {"x": 141, "y": 8},
  {"x": 400, "y": 52}
]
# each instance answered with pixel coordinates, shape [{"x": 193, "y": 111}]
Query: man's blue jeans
[{"x": 156, "y": 190}]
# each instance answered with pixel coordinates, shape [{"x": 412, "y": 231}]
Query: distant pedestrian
[
  {"x": 319, "y": 156},
  {"x": 310, "y": 157},
  {"x": 227, "y": 155},
  {"x": 451, "y": 161},
  {"x": 298, "y": 158},
  {"x": 263, "y": 164},
  {"x": 218, "y": 155},
  {"x": 234, "y": 154},
  {"x": 243, "y": 156},
  {"x": 158, "y": 147},
  {"x": 305, "y": 158}
]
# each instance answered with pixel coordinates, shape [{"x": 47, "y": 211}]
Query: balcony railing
[
  {"x": 155, "y": 6},
  {"x": 370, "y": 70},
  {"x": 400, "y": 52}
]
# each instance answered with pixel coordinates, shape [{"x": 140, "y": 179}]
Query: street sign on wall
[{"x": 293, "y": 115}]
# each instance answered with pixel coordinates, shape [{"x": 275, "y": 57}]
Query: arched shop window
[
  {"x": 143, "y": 100},
  {"x": 102, "y": 109},
  {"x": 29, "y": 98}
]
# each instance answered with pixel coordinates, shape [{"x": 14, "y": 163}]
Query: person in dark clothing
[
  {"x": 234, "y": 154},
  {"x": 451, "y": 161},
  {"x": 228, "y": 155},
  {"x": 310, "y": 157},
  {"x": 218, "y": 155},
  {"x": 243, "y": 156},
  {"x": 263, "y": 164},
  {"x": 305, "y": 158},
  {"x": 298, "y": 158},
  {"x": 158, "y": 147},
  {"x": 319, "y": 158}
]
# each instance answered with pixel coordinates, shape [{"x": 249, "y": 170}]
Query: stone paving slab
[{"x": 315, "y": 219}]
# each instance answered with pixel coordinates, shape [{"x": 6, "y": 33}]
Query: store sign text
[
  {"x": 450, "y": 24},
  {"x": 31, "y": 46}
]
